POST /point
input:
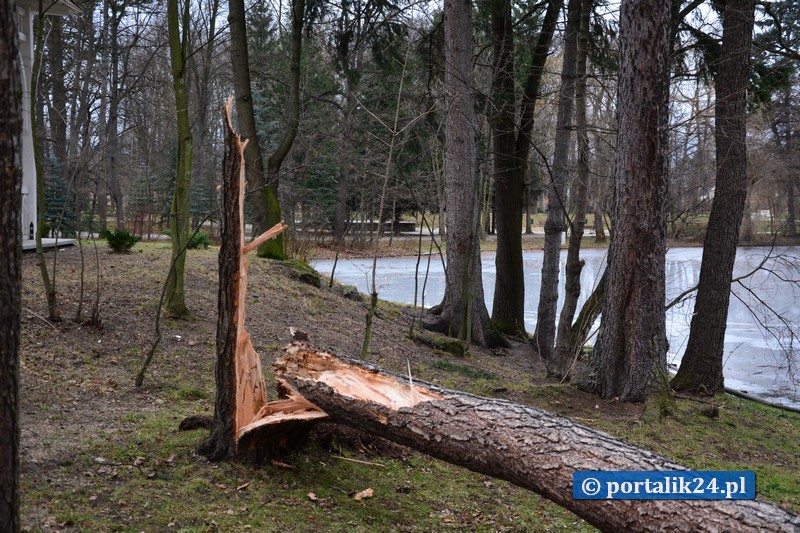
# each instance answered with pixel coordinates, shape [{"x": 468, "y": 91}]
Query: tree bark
[
  {"x": 10, "y": 264},
  {"x": 49, "y": 284},
  {"x": 345, "y": 162},
  {"x": 629, "y": 359},
  {"x": 266, "y": 204},
  {"x": 175, "y": 301},
  {"x": 565, "y": 349},
  {"x": 791, "y": 209},
  {"x": 242, "y": 415},
  {"x": 117, "y": 13},
  {"x": 511, "y": 154},
  {"x": 462, "y": 313},
  {"x": 526, "y": 446},
  {"x": 554, "y": 227},
  {"x": 508, "y": 308},
  {"x": 275, "y": 248},
  {"x": 701, "y": 367}
]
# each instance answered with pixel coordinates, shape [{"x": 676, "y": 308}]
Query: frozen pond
[{"x": 754, "y": 361}]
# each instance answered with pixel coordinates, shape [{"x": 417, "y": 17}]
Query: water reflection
[{"x": 754, "y": 360}]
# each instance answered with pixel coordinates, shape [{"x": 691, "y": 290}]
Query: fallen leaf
[
  {"x": 366, "y": 493},
  {"x": 243, "y": 486},
  {"x": 313, "y": 497}
]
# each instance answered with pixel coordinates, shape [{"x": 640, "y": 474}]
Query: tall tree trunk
[
  {"x": 49, "y": 285},
  {"x": 343, "y": 183},
  {"x": 701, "y": 367},
  {"x": 203, "y": 154},
  {"x": 791, "y": 209},
  {"x": 266, "y": 204},
  {"x": 59, "y": 112},
  {"x": 462, "y": 313},
  {"x": 508, "y": 309},
  {"x": 175, "y": 300},
  {"x": 528, "y": 220},
  {"x": 599, "y": 225},
  {"x": 629, "y": 359},
  {"x": 10, "y": 264},
  {"x": 545, "y": 333},
  {"x": 565, "y": 350},
  {"x": 117, "y": 13},
  {"x": 511, "y": 152},
  {"x": 275, "y": 248}
]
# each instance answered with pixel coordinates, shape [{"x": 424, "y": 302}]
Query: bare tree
[
  {"x": 178, "y": 22},
  {"x": 554, "y": 227},
  {"x": 701, "y": 367},
  {"x": 512, "y": 147},
  {"x": 565, "y": 350}
]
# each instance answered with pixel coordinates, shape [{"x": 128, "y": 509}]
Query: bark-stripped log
[
  {"x": 526, "y": 446},
  {"x": 243, "y": 420}
]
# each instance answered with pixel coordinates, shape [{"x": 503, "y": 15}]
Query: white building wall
[{"x": 28, "y": 211}]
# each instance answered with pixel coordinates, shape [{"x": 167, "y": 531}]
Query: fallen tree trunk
[{"x": 526, "y": 446}]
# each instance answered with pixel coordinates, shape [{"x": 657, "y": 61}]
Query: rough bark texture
[
  {"x": 511, "y": 153},
  {"x": 565, "y": 350},
  {"x": 10, "y": 265},
  {"x": 508, "y": 308},
  {"x": 629, "y": 360},
  {"x": 701, "y": 367},
  {"x": 545, "y": 333},
  {"x": 462, "y": 313},
  {"x": 267, "y": 208},
  {"x": 526, "y": 446},
  {"x": 242, "y": 415}
]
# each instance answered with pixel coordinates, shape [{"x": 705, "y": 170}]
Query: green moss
[
  {"x": 303, "y": 272},
  {"x": 440, "y": 342}
]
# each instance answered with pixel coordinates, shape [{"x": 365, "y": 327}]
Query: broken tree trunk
[
  {"x": 528, "y": 447},
  {"x": 242, "y": 416}
]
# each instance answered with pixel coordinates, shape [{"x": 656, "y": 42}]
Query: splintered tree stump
[
  {"x": 245, "y": 425},
  {"x": 526, "y": 446}
]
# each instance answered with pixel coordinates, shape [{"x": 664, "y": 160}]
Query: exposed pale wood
[
  {"x": 242, "y": 413},
  {"x": 526, "y": 446}
]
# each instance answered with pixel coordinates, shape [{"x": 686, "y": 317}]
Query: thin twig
[
  {"x": 358, "y": 461},
  {"x": 43, "y": 319}
]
